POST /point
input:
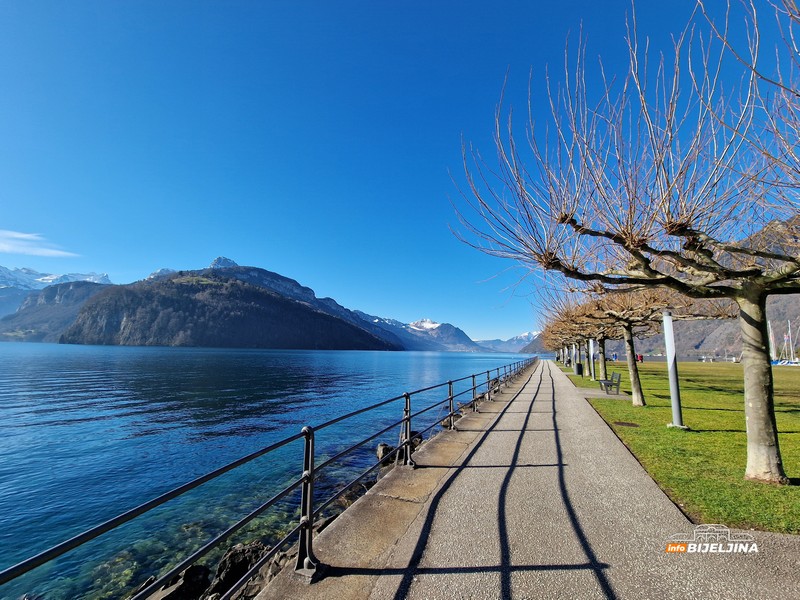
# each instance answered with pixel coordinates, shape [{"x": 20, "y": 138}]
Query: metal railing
[{"x": 483, "y": 386}]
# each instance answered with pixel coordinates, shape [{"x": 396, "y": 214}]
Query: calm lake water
[{"x": 88, "y": 432}]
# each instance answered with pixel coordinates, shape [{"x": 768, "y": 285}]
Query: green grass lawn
[{"x": 702, "y": 470}]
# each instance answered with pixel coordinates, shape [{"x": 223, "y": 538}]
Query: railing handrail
[{"x": 62, "y": 548}]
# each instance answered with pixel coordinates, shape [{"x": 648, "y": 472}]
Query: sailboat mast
[{"x": 771, "y": 342}]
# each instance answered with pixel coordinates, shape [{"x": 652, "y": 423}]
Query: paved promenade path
[{"x": 533, "y": 497}]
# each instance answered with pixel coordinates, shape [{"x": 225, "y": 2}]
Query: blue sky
[{"x": 320, "y": 140}]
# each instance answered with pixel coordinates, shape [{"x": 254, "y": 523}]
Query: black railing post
[
  {"x": 474, "y": 395},
  {"x": 450, "y": 402},
  {"x": 307, "y": 563},
  {"x": 407, "y": 432}
]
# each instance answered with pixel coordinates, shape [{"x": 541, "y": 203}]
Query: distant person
[{"x": 614, "y": 357}]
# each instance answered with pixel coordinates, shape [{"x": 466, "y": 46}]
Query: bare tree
[
  {"x": 639, "y": 311},
  {"x": 641, "y": 184},
  {"x": 634, "y": 313},
  {"x": 626, "y": 314},
  {"x": 567, "y": 321},
  {"x": 776, "y": 93}
]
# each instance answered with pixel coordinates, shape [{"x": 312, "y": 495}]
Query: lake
[{"x": 88, "y": 432}]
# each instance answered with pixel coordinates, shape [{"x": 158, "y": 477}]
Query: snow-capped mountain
[
  {"x": 16, "y": 284},
  {"x": 424, "y": 325},
  {"x": 514, "y": 344},
  {"x": 222, "y": 263},
  {"x": 161, "y": 273},
  {"x": 451, "y": 337},
  {"x": 28, "y": 279},
  {"x": 425, "y": 334}
]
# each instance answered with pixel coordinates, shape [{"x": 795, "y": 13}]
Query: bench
[{"x": 609, "y": 384}]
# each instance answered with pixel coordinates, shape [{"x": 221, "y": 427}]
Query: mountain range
[
  {"x": 17, "y": 284},
  {"x": 224, "y": 305},
  {"x": 722, "y": 337},
  {"x": 28, "y": 279},
  {"x": 515, "y": 344}
]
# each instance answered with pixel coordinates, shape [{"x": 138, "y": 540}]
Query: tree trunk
[
  {"x": 637, "y": 397},
  {"x": 585, "y": 354},
  {"x": 587, "y": 365},
  {"x": 601, "y": 358},
  {"x": 763, "y": 453}
]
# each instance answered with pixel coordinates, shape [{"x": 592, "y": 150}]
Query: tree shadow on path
[{"x": 505, "y": 569}]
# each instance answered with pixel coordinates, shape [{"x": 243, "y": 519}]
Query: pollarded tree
[
  {"x": 555, "y": 339},
  {"x": 626, "y": 314},
  {"x": 640, "y": 311},
  {"x": 567, "y": 320},
  {"x": 561, "y": 330},
  {"x": 622, "y": 315},
  {"x": 633, "y": 313},
  {"x": 641, "y": 184}
]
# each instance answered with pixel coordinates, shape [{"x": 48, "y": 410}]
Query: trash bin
[{"x": 579, "y": 369}]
